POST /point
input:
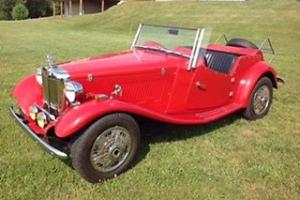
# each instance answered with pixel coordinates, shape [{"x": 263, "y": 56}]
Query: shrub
[{"x": 19, "y": 12}]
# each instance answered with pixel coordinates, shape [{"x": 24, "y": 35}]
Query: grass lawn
[{"x": 230, "y": 159}]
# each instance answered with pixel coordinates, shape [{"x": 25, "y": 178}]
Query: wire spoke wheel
[
  {"x": 110, "y": 149},
  {"x": 261, "y": 100},
  {"x": 107, "y": 148}
]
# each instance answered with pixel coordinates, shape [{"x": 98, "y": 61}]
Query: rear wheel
[
  {"x": 261, "y": 100},
  {"x": 106, "y": 148},
  {"x": 238, "y": 42}
]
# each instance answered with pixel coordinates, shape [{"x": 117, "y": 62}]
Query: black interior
[
  {"x": 219, "y": 61},
  {"x": 216, "y": 60}
]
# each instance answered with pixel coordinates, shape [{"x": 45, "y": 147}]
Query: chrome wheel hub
[
  {"x": 110, "y": 149},
  {"x": 261, "y": 100}
]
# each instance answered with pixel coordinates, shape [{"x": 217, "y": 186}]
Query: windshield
[{"x": 170, "y": 40}]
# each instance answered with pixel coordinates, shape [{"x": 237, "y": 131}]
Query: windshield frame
[{"x": 193, "y": 58}]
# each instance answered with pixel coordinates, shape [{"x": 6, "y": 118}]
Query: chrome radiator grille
[{"x": 53, "y": 90}]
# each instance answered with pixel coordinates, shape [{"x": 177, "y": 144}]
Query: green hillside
[{"x": 230, "y": 159}]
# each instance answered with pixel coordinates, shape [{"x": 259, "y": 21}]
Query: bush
[{"x": 19, "y": 12}]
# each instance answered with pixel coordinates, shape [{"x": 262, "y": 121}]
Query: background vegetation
[
  {"x": 229, "y": 159},
  {"x": 19, "y": 12},
  {"x": 36, "y": 8}
]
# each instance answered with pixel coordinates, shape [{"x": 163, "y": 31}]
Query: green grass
[{"x": 229, "y": 159}]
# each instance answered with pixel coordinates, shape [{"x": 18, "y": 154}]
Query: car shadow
[{"x": 153, "y": 132}]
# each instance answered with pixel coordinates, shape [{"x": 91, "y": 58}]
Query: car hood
[{"x": 133, "y": 61}]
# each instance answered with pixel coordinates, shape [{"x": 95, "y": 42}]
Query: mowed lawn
[{"x": 229, "y": 159}]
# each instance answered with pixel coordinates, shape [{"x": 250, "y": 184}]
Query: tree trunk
[
  {"x": 102, "y": 5},
  {"x": 80, "y": 7},
  {"x": 70, "y": 8},
  {"x": 53, "y": 8},
  {"x": 61, "y": 8}
]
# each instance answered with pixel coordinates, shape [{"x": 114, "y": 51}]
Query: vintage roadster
[{"x": 88, "y": 110}]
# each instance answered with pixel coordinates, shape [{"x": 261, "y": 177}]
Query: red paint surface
[{"x": 155, "y": 85}]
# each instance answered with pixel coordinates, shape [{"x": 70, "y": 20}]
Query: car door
[{"x": 211, "y": 85}]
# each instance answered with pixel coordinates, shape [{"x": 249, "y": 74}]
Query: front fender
[
  {"x": 27, "y": 92},
  {"x": 249, "y": 79},
  {"x": 77, "y": 117}
]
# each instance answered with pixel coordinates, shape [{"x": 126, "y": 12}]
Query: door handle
[{"x": 200, "y": 85}]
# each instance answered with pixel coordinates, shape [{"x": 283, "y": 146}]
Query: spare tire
[{"x": 238, "y": 42}]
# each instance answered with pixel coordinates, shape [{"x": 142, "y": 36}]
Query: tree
[
  {"x": 36, "y": 8},
  {"x": 6, "y": 7},
  {"x": 20, "y": 12}
]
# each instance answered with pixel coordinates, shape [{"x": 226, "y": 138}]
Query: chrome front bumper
[{"x": 53, "y": 151}]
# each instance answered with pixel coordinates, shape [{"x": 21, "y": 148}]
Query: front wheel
[
  {"x": 106, "y": 148},
  {"x": 261, "y": 100}
]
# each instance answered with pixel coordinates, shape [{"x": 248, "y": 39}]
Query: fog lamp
[
  {"x": 33, "y": 111},
  {"x": 41, "y": 119}
]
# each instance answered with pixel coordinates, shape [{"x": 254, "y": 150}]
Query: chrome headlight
[
  {"x": 72, "y": 90},
  {"x": 38, "y": 76}
]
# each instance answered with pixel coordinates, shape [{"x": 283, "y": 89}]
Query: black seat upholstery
[{"x": 220, "y": 61}]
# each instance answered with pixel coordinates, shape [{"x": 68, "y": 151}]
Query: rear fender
[{"x": 249, "y": 79}]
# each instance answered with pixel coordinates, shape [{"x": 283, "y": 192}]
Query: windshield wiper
[{"x": 163, "y": 50}]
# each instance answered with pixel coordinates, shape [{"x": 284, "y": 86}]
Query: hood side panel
[{"x": 145, "y": 76}]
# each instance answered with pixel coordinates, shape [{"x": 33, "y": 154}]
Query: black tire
[
  {"x": 238, "y": 42},
  {"x": 81, "y": 149},
  {"x": 250, "y": 113}
]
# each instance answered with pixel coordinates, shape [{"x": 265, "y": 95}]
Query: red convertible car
[{"x": 88, "y": 110}]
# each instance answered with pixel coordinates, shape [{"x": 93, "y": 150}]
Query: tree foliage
[
  {"x": 6, "y": 7},
  {"x": 36, "y": 8},
  {"x": 20, "y": 12}
]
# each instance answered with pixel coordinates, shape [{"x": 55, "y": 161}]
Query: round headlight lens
[
  {"x": 38, "y": 76},
  {"x": 71, "y": 96},
  {"x": 33, "y": 111},
  {"x": 72, "y": 89}
]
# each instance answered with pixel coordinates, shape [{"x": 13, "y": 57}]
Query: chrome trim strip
[
  {"x": 58, "y": 73},
  {"x": 194, "y": 50},
  {"x": 196, "y": 58},
  {"x": 136, "y": 36},
  {"x": 53, "y": 151}
]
